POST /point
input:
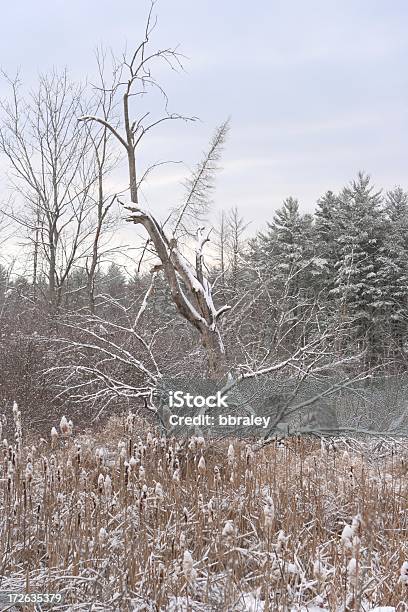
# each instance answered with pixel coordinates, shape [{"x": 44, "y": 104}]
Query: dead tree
[{"x": 190, "y": 289}]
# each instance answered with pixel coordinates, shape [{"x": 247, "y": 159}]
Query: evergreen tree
[
  {"x": 326, "y": 232},
  {"x": 358, "y": 286},
  {"x": 396, "y": 264}
]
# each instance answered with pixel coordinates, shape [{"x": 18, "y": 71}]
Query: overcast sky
[{"x": 316, "y": 89}]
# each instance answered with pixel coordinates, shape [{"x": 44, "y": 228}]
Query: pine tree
[
  {"x": 396, "y": 264},
  {"x": 358, "y": 286},
  {"x": 326, "y": 231},
  {"x": 288, "y": 260}
]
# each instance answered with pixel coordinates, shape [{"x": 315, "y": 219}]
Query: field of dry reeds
[{"x": 122, "y": 519}]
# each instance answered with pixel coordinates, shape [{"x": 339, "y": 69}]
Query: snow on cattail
[
  {"x": 54, "y": 437},
  {"x": 347, "y": 537},
  {"x": 356, "y": 544},
  {"x": 231, "y": 454},
  {"x": 101, "y": 455},
  {"x": 356, "y": 524},
  {"x": 189, "y": 572},
  {"x": 248, "y": 475},
  {"x": 228, "y": 530},
  {"x": 107, "y": 486},
  {"x": 352, "y": 571},
  {"x": 103, "y": 534},
  {"x": 123, "y": 453},
  {"x": 201, "y": 465},
  {"x": 200, "y": 442},
  {"x": 158, "y": 490},
  {"x": 176, "y": 475},
  {"x": 404, "y": 573},
  {"x": 269, "y": 513},
  {"x": 249, "y": 454},
  {"x": 101, "y": 481},
  {"x": 29, "y": 472},
  {"x": 64, "y": 426},
  {"x": 130, "y": 419},
  {"x": 133, "y": 462},
  {"x": 282, "y": 541}
]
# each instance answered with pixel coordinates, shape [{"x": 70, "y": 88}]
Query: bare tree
[
  {"x": 56, "y": 170},
  {"x": 190, "y": 289}
]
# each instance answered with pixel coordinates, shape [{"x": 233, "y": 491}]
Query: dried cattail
[
  {"x": 269, "y": 513},
  {"x": 404, "y": 573},
  {"x": 248, "y": 475},
  {"x": 133, "y": 462},
  {"x": 130, "y": 419},
  {"x": 103, "y": 534},
  {"x": 189, "y": 572},
  {"x": 142, "y": 473},
  {"x": 282, "y": 541},
  {"x": 71, "y": 427},
  {"x": 231, "y": 454},
  {"x": 101, "y": 481},
  {"x": 356, "y": 545},
  {"x": 158, "y": 490},
  {"x": 352, "y": 571},
  {"x": 356, "y": 524},
  {"x": 64, "y": 426},
  {"x": 200, "y": 442},
  {"x": 201, "y": 465},
  {"x": 185, "y": 514},
  {"x": 29, "y": 472},
  {"x": 347, "y": 537},
  {"x": 107, "y": 486},
  {"x": 54, "y": 437},
  {"x": 176, "y": 475},
  {"x": 228, "y": 530},
  {"x": 249, "y": 454}
]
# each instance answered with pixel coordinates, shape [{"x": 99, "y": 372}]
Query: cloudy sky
[{"x": 316, "y": 90}]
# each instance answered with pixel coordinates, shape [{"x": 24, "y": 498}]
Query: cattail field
[{"x": 123, "y": 519}]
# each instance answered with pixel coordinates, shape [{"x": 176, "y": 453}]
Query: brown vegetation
[{"x": 125, "y": 520}]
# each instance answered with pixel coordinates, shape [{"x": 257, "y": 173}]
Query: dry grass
[{"x": 124, "y": 520}]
